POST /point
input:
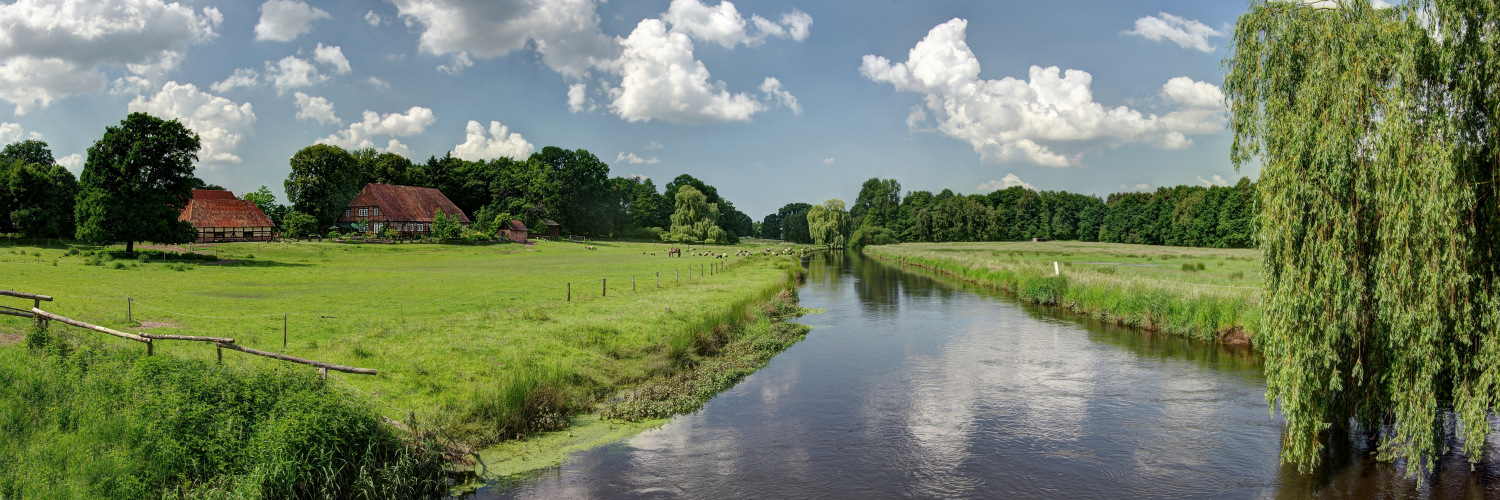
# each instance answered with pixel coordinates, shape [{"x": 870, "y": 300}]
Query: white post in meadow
[{"x": 1055, "y": 270}]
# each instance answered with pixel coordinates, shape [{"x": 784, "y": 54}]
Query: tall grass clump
[
  {"x": 1202, "y": 312},
  {"x": 518, "y": 403},
  {"x": 97, "y": 422}
]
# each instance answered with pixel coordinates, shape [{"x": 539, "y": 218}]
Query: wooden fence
[{"x": 149, "y": 339}]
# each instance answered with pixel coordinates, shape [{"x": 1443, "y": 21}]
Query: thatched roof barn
[
  {"x": 408, "y": 209},
  {"x": 219, "y": 216}
]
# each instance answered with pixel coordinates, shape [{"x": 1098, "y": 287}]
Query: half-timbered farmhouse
[
  {"x": 408, "y": 209},
  {"x": 514, "y": 231},
  {"x": 219, "y": 216}
]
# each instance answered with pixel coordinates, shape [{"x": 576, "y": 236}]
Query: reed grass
[{"x": 1213, "y": 296}]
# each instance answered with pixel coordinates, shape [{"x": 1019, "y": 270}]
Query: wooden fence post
[
  {"x": 678, "y": 275},
  {"x": 283, "y": 331},
  {"x": 632, "y": 283},
  {"x": 570, "y": 292},
  {"x": 129, "y": 309},
  {"x": 221, "y": 353},
  {"x": 658, "y": 279},
  {"x": 604, "y": 287}
]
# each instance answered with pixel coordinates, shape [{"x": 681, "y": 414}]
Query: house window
[
  {"x": 346, "y": 212},
  {"x": 377, "y": 211},
  {"x": 421, "y": 227},
  {"x": 364, "y": 212}
]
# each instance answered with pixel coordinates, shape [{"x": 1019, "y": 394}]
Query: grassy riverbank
[
  {"x": 481, "y": 342},
  {"x": 1204, "y": 293}
]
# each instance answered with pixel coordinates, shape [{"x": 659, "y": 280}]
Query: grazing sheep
[{"x": 590, "y": 247}]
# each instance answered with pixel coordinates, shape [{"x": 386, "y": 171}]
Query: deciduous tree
[{"x": 135, "y": 183}]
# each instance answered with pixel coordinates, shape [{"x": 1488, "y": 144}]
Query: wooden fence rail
[{"x": 219, "y": 342}]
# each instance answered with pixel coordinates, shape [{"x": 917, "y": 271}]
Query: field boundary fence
[{"x": 43, "y": 318}]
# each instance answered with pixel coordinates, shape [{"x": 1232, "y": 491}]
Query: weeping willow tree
[{"x": 1379, "y": 149}]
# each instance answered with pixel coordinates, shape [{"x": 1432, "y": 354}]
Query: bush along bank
[
  {"x": 684, "y": 370},
  {"x": 83, "y": 420},
  {"x": 1205, "y": 314}
]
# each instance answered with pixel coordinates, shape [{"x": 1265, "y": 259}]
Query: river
[{"x": 916, "y": 386}]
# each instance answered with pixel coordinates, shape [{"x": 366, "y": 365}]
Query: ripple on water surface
[{"x": 912, "y": 386}]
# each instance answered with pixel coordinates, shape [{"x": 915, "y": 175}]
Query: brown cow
[{"x": 674, "y": 251}]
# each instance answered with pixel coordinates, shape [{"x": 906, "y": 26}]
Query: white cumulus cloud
[
  {"x": 724, "y": 25},
  {"x": 1138, "y": 187},
  {"x": 661, "y": 80},
  {"x": 654, "y": 145},
  {"x": 1186, "y": 33},
  {"x": 372, "y": 18},
  {"x": 50, "y": 49},
  {"x": 333, "y": 56},
  {"x": 377, "y": 83},
  {"x": 771, "y": 87},
  {"x": 243, "y": 77},
  {"x": 1009, "y": 181},
  {"x": 395, "y": 146},
  {"x": 565, "y": 32},
  {"x": 73, "y": 162},
  {"x": 499, "y": 141},
  {"x": 577, "y": 97},
  {"x": 633, "y": 159},
  {"x": 1011, "y": 119},
  {"x": 315, "y": 108},
  {"x": 828, "y": 161},
  {"x": 361, "y": 134},
  {"x": 13, "y": 132},
  {"x": 285, "y": 20},
  {"x": 293, "y": 72},
  {"x": 460, "y": 61},
  {"x": 221, "y": 124},
  {"x": 1215, "y": 180}
]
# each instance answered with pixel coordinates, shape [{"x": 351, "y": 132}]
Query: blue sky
[{"x": 771, "y": 102}]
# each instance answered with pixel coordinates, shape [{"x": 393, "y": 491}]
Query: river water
[{"x": 916, "y": 386}]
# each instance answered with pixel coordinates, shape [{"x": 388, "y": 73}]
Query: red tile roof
[
  {"x": 514, "y": 225},
  {"x": 407, "y": 203},
  {"x": 216, "y": 212},
  {"x": 213, "y": 194}
]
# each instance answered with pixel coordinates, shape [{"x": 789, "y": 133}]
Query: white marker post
[{"x": 1055, "y": 270}]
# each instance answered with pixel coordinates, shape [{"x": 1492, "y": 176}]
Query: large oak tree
[{"x": 135, "y": 182}]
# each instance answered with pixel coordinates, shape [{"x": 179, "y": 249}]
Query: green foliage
[
  {"x": 298, "y": 225},
  {"x": 266, "y": 202},
  {"x": 135, "y": 182},
  {"x": 1375, "y": 134},
  {"x": 104, "y": 423},
  {"x": 28, "y": 151},
  {"x": 878, "y": 204},
  {"x": 732, "y": 223},
  {"x": 793, "y": 221},
  {"x": 868, "y": 235},
  {"x": 445, "y": 227},
  {"x": 322, "y": 181},
  {"x": 828, "y": 224},
  {"x": 695, "y": 219},
  {"x": 36, "y": 200}
]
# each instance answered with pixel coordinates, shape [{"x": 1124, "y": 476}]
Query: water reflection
[{"x": 914, "y": 386}]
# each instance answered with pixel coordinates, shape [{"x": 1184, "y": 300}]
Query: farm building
[
  {"x": 554, "y": 230},
  {"x": 219, "y": 216},
  {"x": 514, "y": 231},
  {"x": 408, "y": 209}
]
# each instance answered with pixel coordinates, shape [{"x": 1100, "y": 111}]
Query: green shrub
[
  {"x": 1047, "y": 290},
  {"x": 143, "y": 258},
  {"x": 1237, "y": 275},
  {"x": 106, "y": 423},
  {"x": 1189, "y": 267},
  {"x": 1106, "y": 270},
  {"x": 333, "y": 235},
  {"x": 118, "y": 265}
]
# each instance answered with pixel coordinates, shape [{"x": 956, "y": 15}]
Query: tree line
[
  {"x": 139, "y": 176},
  {"x": 570, "y": 187},
  {"x": 1215, "y": 216}
]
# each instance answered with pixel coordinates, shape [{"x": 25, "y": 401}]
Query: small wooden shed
[
  {"x": 514, "y": 231},
  {"x": 554, "y": 230}
]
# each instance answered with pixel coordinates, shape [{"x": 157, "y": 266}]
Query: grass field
[
  {"x": 480, "y": 341},
  {"x": 1205, "y": 293}
]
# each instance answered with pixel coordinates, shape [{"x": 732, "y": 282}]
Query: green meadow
[
  {"x": 1204, "y": 293},
  {"x": 485, "y": 344}
]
